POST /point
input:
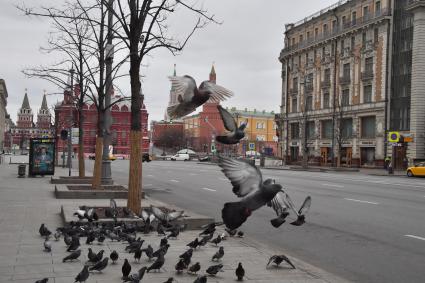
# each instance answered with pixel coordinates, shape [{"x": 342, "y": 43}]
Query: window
[
  {"x": 367, "y": 94},
  {"x": 377, "y": 8},
  {"x": 368, "y": 127},
  {"x": 295, "y": 131},
  {"x": 366, "y": 12},
  {"x": 260, "y": 125},
  {"x": 323, "y": 52},
  {"x": 327, "y": 75},
  {"x": 326, "y": 100},
  {"x": 294, "y": 105},
  {"x": 334, "y": 25},
  {"x": 345, "y": 97},
  {"x": 327, "y": 129},
  {"x": 376, "y": 35},
  {"x": 261, "y": 138},
  {"x": 299, "y": 61},
  {"x": 325, "y": 29},
  {"x": 342, "y": 45},
  {"x": 354, "y": 18},
  {"x": 306, "y": 58},
  {"x": 316, "y": 33},
  {"x": 369, "y": 65},
  {"x": 123, "y": 134},
  {"x": 344, "y": 21},
  {"x": 346, "y": 70},
  {"x": 364, "y": 38},
  {"x": 309, "y": 103},
  {"x": 295, "y": 84},
  {"x": 346, "y": 128},
  {"x": 353, "y": 42},
  {"x": 310, "y": 130}
]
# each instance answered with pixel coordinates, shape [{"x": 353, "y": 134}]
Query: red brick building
[
  {"x": 120, "y": 128},
  {"x": 19, "y": 136}
]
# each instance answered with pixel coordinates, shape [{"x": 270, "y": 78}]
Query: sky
[{"x": 244, "y": 49}]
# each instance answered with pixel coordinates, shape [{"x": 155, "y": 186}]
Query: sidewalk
[{"x": 25, "y": 203}]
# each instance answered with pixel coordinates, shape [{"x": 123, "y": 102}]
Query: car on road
[
  {"x": 417, "y": 170},
  {"x": 180, "y": 157}
]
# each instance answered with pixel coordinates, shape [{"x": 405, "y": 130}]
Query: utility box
[{"x": 22, "y": 168}]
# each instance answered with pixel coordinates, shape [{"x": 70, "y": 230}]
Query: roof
[
  {"x": 44, "y": 103},
  {"x": 25, "y": 102},
  {"x": 254, "y": 113}
]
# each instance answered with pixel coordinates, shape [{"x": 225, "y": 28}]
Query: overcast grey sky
[{"x": 244, "y": 48}]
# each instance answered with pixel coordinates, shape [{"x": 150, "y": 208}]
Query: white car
[{"x": 180, "y": 157}]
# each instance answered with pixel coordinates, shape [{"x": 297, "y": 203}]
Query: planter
[{"x": 82, "y": 191}]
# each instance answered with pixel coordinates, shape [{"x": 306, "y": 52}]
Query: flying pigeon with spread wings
[{"x": 235, "y": 133}]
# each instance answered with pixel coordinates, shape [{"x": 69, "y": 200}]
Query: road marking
[
  {"x": 332, "y": 185},
  {"x": 149, "y": 175},
  {"x": 207, "y": 189},
  {"x": 363, "y": 201},
  {"x": 175, "y": 181},
  {"x": 415, "y": 237},
  {"x": 193, "y": 174},
  {"x": 148, "y": 185}
]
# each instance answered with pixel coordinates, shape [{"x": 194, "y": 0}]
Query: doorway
[
  {"x": 367, "y": 156},
  {"x": 294, "y": 153},
  {"x": 325, "y": 156}
]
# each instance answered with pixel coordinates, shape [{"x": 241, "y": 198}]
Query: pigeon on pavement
[
  {"x": 83, "y": 275},
  {"x": 98, "y": 257},
  {"x": 247, "y": 184},
  {"x": 240, "y": 234},
  {"x": 125, "y": 269},
  {"x": 201, "y": 279},
  {"x": 114, "y": 256},
  {"x": 195, "y": 268},
  {"x": 190, "y": 97},
  {"x": 235, "y": 133},
  {"x": 169, "y": 280},
  {"x": 194, "y": 244},
  {"x": 240, "y": 272},
  {"x": 305, "y": 207},
  {"x": 136, "y": 277},
  {"x": 279, "y": 206},
  {"x": 57, "y": 235},
  {"x": 157, "y": 264},
  {"x": 278, "y": 259},
  {"x": 210, "y": 228},
  {"x": 137, "y": 255},
  {"x": 44, "y": 232},
  {"x": 74, "y": 255},
  {"x": 214, "y": 269},
  {"x": 181, "y": 265},
  {"x": 148, "y": 251},
  {"x": 47, "y": 245},
  {"x": 217, "y": 240},
  {"x": 187, "y": 256},
  {"x": 44, "y": 280},
  {"x": 218, "y": 255},
  {"x": 75, "y": 244},
  {"x": 101, "y": 265}
]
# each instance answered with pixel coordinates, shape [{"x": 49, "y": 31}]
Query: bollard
[{"x": 21, "y": 171}]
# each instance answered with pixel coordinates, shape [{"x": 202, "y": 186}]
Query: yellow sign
[{"x": 394, "y": 137}]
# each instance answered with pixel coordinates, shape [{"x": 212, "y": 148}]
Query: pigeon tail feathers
[
  {"x": 234, "y": 214},
  {"x": 276, "y": 222}
]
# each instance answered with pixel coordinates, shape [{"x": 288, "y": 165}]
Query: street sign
[
  {"x": 251, "y": 146},
  {"x": 75, "y": 134},
  {"x": 394, "y": 137}
]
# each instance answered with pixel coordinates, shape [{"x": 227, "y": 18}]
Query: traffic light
[{"x": 64, "y": 134}]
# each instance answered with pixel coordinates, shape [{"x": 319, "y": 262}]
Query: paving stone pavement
[{"x": 25, "y": 203}]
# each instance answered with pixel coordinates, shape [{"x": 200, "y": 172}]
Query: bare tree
[
  {"x": 171, "y": 138},
  {"x": 342, "y": 132},
  {"x": 143, "y": 28}
]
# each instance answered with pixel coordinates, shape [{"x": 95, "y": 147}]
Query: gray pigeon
[
  {"x": 47, "y": 245},
  {"x": 44, "y": 231},
  {"x": 166, "y": 217},
  {"x": 279, "y": 206},
  {"x": 305, "y": 207},
  {"x": 235, "y": 133},
  {"x": 44, "y": 280},
  {"x": 74, "y": 255},
  {"x": 278, "y": 259},
  {"x": 201, "y": 279},
  {"x": 214, "y": 269},
  {"x": 136, "y": 277},
  {"x": 101, "y": 265},
  {"x": 169, "y": 280},
  {"x": 247, "y": 184},
  {"x": 83, "y": 275},
  {"x": 157, "y": 264},
  {"x": 219, "y": 254},
  {"x": 149, "y": 252},
  {"x": 190, "y": 97},
  {"x": 240, "y": 272}
]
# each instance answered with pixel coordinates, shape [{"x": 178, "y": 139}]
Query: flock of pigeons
[
  {"x": 246, "y": 179},
  {"x": 154, "y": 221},
  {"x": 247, "y": 182}
]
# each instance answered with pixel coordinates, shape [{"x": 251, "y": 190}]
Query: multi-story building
[
  {"x": 348, "y": 80},
  {"x": 67, "y": 116},
  {"x": 3, "y": 112},
  {"x": 19, "y": 136}
]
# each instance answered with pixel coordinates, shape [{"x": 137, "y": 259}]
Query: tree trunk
[
  {"x": 338, "y": 156},
  {"x": 81, "y": 165},
  {"x": 305, "y": 159},
  {"x": 97, "y": 171},
  {"x": 135, "y": 177}
]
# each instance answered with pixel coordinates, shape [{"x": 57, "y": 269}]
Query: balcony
[
  {"x": 344, "y": 80},
  {"x": 367, "y": 75},
  {"x": 326, "y": 83},
  {"x": 348, "y": 26}
]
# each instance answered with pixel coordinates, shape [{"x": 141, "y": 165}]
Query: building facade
[
  {"x": 336, "y": 78},
  {"x": 3, "y": 113},
  {"x": 120, "y": 127},
  {"x": 18, "y": 137}
]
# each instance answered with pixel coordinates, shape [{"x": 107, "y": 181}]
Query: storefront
[
  {"x": 294, "y": 151},
  {"x": 367, "y": 153},
  {"x": 325, "y": 154}
]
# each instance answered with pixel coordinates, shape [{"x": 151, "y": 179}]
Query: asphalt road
[{"x": 362, "y": 228}]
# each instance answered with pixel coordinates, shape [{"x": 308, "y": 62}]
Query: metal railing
[{"x": 340, "y": 29}]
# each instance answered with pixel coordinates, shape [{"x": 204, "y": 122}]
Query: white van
[{"x": 180, "y": 157}]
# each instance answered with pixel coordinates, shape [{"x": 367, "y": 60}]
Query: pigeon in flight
[
  {"x": 83, "y": 275},
  {"x": 301, "y": 212},
  {"x": 240, "y": 272},
  {"x": 281, "y": 209},
  {"x": 247, "y": 184},
  {"x": 166, "y": 217},
  {"x": 278, "y": 259},
  {"x": 191, "y": 97},
  {"x": 235, "y": 133}
]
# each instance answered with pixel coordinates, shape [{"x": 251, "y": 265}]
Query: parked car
[
  {"x": 417, "y": 170},
  {"x": 180, "y": 157},
  {"x": 205, "y": 158}
]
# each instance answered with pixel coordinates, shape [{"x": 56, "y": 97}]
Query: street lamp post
[
  {"x": 70, "y": 124},
  {"x": 304, "y": 122}
]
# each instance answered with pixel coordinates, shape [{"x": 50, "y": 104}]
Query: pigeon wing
[
  {"x": 305, "y": 207},
  {"x": 175, "y": 215},
  {"x": 145, "y": 215},
  {"x": 217, "y": 93},
  {"x": 243, "y": 176},
  {"x": 272, "y": 258},
  {"x": 182, "y": 86},
  {"x": 228, "y": 120},
  {"x": 289, "y": 203},
  {"x": 278, "y": 203},
  {"x": 113, "y": 204},
  {"x": 158, "y": 213}
]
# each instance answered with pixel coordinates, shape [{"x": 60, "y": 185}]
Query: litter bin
[{"x": 21, "y": 170}]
